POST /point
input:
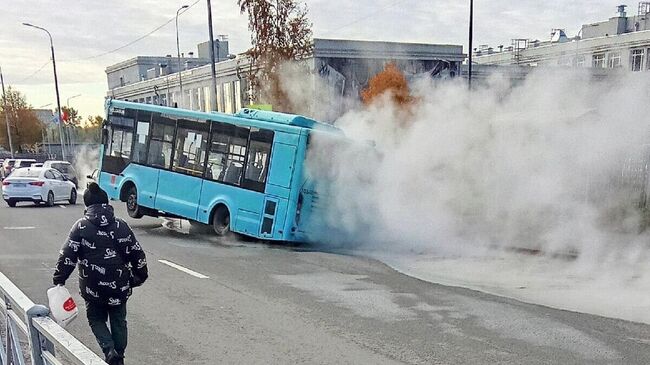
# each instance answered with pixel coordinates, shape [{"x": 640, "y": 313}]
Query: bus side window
[
  {"x": 259, "y": 152},
  {"x": 109, "y": 141},
  {"x": 141, "y": 138},
  {"x": 160, "y": 147},
  {"x": 227, "y": 153},
  {"x": 191, "y": 147},
  {"x": 116, "y": 144}
]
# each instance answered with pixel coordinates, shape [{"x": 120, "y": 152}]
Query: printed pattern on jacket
[{"x": 109, "y": 257}]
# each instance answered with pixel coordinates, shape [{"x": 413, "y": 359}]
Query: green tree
[
  {"x": 90, "y": 131},
  {"x": 73, "y": 117},
  {"x": 26, "y": 129},
  {"x": 280, "y": 32}
]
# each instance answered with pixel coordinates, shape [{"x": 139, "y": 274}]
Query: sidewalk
[{"x": 611, "y": 289}]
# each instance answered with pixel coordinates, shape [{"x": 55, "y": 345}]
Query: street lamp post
[
  {"x": 4, "y": 100},
  {"x": 178, "y": 53},
  {"x": 67, "y": 104},
  {"x": 56, "y": 86},
  {"x": 471, "y": 38},
  {"x": 213, "y": 67},
  {"x": 47, "y": 132}
]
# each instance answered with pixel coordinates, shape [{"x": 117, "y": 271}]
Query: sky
[{"x": 88, "y": 33}]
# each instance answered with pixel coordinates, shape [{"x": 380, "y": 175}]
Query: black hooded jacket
[{"x": 99, "y": 244}]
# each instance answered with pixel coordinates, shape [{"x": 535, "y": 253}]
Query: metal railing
[{"x": 24, "y": 318}]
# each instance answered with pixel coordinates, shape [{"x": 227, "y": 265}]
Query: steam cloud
[{"x": 553, "y": 163}]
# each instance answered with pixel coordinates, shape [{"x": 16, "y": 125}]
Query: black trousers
[{"x": 116, "y": 338}]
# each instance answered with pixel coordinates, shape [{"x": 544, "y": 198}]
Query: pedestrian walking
[{"x": 111, "y": 263}]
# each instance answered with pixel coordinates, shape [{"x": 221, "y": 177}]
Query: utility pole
[
  {"x": 56, "y": 88},
  {"x": 4, "y": 100},
  {"x": 213, "y": 67},
  {"x": 471, "y": 38},
  {"x": 178, "y": 53}
]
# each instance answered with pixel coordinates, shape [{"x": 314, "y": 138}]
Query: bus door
[
  {"x": 281, "y": 174},
  {"x": 179, "y": 188}
]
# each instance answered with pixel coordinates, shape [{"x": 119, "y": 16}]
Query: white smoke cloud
[{"x": 536, "y": 165}]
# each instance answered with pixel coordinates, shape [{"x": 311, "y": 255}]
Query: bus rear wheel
[
  {"x": 199, "y": 228},
  {"x": 132, "y": 207},
  {"x": 221, "y": 221}
]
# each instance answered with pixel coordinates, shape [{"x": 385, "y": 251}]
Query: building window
[
  {"x": 637, "y": 59},
  {"x": 580, "y": 61},
  {"x": 194, "y": 99},
  {"x": 237, "y": 95},
  {"x": 599, "y": 60},
  {"x": 219, "y": 98},
  {"x": 206, "y": 99},
  {"x": 614, "y": 59},
  {"x": 163, "y": 99},
  {"x": 227, "y": 98}
]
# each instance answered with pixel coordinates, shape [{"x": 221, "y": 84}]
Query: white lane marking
[
  {"x": 184, "y": 269},
  {"x": 62, "y": 206},
  {"x": 18, "y": 228}
]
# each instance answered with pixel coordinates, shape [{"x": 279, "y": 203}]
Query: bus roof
[
  {"x": 284, "y": 118},
  {"x": 283, "y": 121}
]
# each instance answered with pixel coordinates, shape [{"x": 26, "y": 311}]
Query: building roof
[
  {"x": 343, "y": 48},
  {"x": 576, "y": 47},
  {"x": 151, "y": 60}
]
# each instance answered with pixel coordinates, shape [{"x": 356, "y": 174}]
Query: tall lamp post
[
  {"x": 6, "y": 112},
  {"x": 56, "y": 87},
  {"x": 213, "y": 67},
  {"x": 67, "y": 104},
  {"x": 471, "y": 38},
  {"x": 178, "y": 53}
]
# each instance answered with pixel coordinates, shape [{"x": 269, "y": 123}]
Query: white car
[{"x": 38, "y": 185}]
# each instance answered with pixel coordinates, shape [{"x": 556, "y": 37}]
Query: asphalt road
[{"x": 263, "y": 304}]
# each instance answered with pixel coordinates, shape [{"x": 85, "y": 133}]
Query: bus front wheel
[
  {"x": 132, "y": 207},
  {"x": 221, "y": 221}
]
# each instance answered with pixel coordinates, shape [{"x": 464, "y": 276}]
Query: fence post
[{"x": 34, "y": 337}]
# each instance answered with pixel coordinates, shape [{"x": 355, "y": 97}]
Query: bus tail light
[{"x": 5, "y": 183}]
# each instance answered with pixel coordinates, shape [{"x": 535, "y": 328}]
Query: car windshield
[{"x": 26, "y": 173}]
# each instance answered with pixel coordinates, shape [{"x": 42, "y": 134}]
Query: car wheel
[
  {"x": 132, "y": 207},
  {"x": 73, "y": 197},
  {"x": 221, "y": 221},
  {"x": 50, "y": 199},
  {"x": 11, "y": 203}
]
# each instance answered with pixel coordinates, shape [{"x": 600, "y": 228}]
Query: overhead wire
[
  {"x": 358, "y": 20},
  {"x": 33, "y": 73},
  {"x": 135, "y": 40}
]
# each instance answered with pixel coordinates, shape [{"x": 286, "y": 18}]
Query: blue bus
[{"x": 242, "y": 173}]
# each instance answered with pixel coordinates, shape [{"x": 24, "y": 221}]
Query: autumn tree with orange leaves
[
  {"x": 390, "y": 80},
  {"x": 280, "y": 33}
]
